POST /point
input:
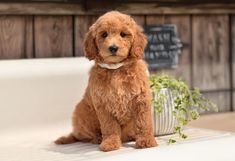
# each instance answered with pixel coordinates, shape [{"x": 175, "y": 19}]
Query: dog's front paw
[
  {"x": 112, "y": 142},
  {"x": 145, "y": 142}
]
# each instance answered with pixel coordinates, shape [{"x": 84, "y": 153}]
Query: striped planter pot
[{"x": 164, "y": 122}]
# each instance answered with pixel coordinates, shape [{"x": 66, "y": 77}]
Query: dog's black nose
[{"x": 113, "y": 49}]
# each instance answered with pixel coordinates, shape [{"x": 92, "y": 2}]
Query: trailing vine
[{"x": 188, "y": 103}]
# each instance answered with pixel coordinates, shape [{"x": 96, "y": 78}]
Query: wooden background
[{"x": 207, "y": 60}]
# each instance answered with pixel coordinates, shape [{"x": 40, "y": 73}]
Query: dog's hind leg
[{"x": 86, "y": 127}]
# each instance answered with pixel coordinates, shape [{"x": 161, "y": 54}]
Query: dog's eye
[
  {"x": 104, "y": 34},
  {"x": 122, "y": 34}
]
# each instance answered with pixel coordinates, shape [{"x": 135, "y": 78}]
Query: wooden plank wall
[
  {"x": 233, "y": 58},
  {"x": 207, "y": 60},
  {"x": 16, "y": 37},
  {"x": 184, "y": 31},
  {"x": 210, "y": 55},
  {"x": 53, "y": 36}
]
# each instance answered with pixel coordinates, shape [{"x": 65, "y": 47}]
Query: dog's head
[{"x": 114, "y": 38}]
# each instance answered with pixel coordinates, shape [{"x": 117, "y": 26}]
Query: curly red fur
[
  {"x": 90, "y": 46},
  {"x": 139, "y": 44},
  {"x": 116, "y": 105}
]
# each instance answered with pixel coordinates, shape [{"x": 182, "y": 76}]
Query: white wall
[{"x": 34, "y": 92}]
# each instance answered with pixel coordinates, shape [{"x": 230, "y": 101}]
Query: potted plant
[{"x": 175, "y": 105}]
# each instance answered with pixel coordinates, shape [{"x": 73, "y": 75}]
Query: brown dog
[{"x": 116, "y": 105}]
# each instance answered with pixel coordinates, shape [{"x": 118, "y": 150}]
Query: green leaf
[
  {"x": 177, "y": 128},
  {"x": 183, "y": 136},
  {"x": 194, "y": 115},
  {"x": 171, "y": 141}
]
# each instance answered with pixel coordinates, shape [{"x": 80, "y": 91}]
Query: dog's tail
[{"x": 66, "y": 139}]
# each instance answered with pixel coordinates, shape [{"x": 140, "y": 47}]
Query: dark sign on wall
[{"x": 163, "y": 46}]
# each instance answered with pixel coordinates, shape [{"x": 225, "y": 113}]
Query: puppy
[{"x": 116, "y": 106}]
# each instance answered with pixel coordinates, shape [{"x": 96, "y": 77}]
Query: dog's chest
[{"x": 116, "y": 93}]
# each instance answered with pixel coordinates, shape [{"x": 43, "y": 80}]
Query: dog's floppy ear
[
  {"x": 139, "y": 43},
  {"x": 90, "y": 47}
]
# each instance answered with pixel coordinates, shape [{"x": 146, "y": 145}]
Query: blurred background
[{"x": 206, "y": 29}]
